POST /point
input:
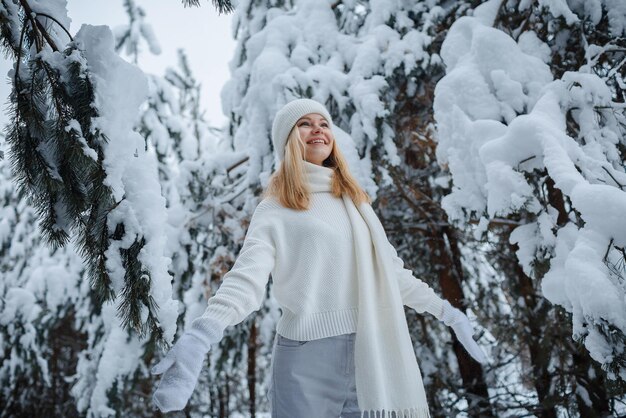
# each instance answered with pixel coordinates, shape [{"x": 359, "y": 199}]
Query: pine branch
[
  {"x": 136, "y": 292},
  {"x": 38, "y": 27},
  {"x": 58, "y": 23},
  {"x": 57, "y": 155},
  {"x": 222, "y": 6}
]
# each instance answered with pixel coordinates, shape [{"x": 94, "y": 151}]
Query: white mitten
[
  {"x": 181, "y": 367},
  {"x": 463, "y": 330}
]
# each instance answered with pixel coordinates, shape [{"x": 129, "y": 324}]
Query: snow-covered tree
[
  {"x": 490, "y": 198},
  {"x": 201, "y": 181},
  {"x": 73, "y": 151},
  {"x": 43, "y": 292},
  {"x": 375, "y": 65},
  {"x": 531, "y": 123},
  {"x": 366, "y": 61},
  {"x": 80, "y": 338},
  {"x": 128, "y": 37}
]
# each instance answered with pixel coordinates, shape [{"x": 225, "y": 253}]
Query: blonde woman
[{"x": 342, "y": 347}]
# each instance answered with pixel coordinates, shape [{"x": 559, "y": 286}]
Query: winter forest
[{"x": 491, "y": 136}]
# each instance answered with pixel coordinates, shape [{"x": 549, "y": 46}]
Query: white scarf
[{"x": 388, "y": 379}]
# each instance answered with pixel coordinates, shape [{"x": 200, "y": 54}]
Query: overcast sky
[{"x": 200, "y": 31}]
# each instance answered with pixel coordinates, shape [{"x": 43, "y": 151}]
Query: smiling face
[{"x": 316, "y": 136}]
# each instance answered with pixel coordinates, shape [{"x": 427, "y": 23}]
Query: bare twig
[
  {"x": 57, "y": 22},
  {"x": 621, "y": 186},
  {"x": 499, "y": 222},
  {"x": 37, "y": 25},
  {"x": 237, "y": 164},
  {"x": 608, "y": 249},
  {"x": 526, "y": 159}
]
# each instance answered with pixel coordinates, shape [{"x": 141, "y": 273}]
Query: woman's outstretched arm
[
  {"x": 421, "y": 297},
  {"x": 243, "y": 288},
  {"x": 415, "y": 293},
  {"x": 241, "y": 292}
]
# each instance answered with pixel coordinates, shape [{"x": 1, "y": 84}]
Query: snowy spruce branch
[
  {"x": 222, "y": 6},
  {"x": 58, "y": 151}
]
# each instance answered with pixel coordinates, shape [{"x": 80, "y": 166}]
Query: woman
[{"x": 342, "y": 346}]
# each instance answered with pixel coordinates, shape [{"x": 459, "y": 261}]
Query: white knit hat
[{"x": 287, "y": 117}]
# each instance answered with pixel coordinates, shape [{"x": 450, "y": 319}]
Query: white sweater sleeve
[
  {"x": 243, "y": 288},
  {"x": 416, "y": 293}
]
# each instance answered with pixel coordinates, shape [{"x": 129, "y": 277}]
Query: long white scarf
[{"x": 388, "y": 378}]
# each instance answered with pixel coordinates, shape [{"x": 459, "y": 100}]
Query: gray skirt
[{"x": 313, "y": 379}]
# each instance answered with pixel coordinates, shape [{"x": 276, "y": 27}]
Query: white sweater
[{"x": 311, "y": 258}]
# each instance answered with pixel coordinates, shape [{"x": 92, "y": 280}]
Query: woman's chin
[{"x": 317, "y": 156}]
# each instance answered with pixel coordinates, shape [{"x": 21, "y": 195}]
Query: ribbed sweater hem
[{"x": 307, "y": 327}]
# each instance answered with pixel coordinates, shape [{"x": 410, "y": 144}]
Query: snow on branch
[{"x": 513, "y": 138}]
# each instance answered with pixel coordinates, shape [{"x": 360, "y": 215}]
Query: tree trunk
[
  {"x": 448, "y": 264},
  {"x": 589, "y": 378},
  {"x": 412, "y": 115},
  {"x": 252, "y": 347},
  {"x": 537, "y": 335}
]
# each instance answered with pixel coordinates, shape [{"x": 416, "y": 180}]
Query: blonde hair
[{"x": 288, "y": 184}]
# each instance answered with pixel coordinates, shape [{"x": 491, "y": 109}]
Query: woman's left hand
[
  {"x": 463, "y": 330},
  {"x": 180, "y": 368}
]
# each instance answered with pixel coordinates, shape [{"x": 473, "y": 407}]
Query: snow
[
  {"x": 120, "y": 356},
  {"x": 35, "y": 288},
  {"x": 530, "y": 44},
  {"x": 616, "y": 11},
  {"x": 149, "y": 36},
  {"x": 19, "y": 303},
  {"x": 592, "y": 11},
  {"x": 58, "y": 10},
  {"x": 303, "y": 52},
  {"x": 41, "y": 286},
  {"x": 75, "y": 127},
  {"x": 501, "y": 120},
  {"x": 486, "y": 12},
  {"x": 120, "y": 89},
  {"x": 560, "y": 8}
]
